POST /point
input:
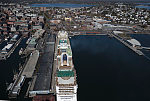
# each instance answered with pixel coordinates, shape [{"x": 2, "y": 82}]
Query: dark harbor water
[
  {"x": 8, "y": 69},
  {"x": 109, "y": 71},
  {"x": 144, "y": 39},
  {"x": 106, "y": 70},
  {"x": 143, "y": 5}
]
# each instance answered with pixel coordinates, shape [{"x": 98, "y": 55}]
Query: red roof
[
  {"x": 11, "y": 23},
  {"x": 44, "y": 98}
]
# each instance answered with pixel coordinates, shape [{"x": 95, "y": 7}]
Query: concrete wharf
[
  {"x": 41, "y": 82},
  {"x": 31, "y": 64},
  {"x": 26, "y": 72}
]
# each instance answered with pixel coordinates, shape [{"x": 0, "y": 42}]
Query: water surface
[
  {"x": 143, "y": 6},
  {"x": 8, "y": 68},
  {"x": 109, "y": 71},
  {"x": 106, "y": 70}
]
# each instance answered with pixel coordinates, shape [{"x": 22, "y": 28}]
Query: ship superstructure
[{"x": 66, "y": 85}]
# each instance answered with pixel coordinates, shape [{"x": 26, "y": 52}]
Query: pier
[
  {"x": 31, "y": 64},
  {"x": 147, "y": 48},
  {"x": 41, "y": 82},
  {"x": 53, "y": 88},
  {"x": 126, "y": 44},
  {"x": 110, "y": 35},
  {"x": 26, "y": 72},
  {"x": 85, "y": 33}
]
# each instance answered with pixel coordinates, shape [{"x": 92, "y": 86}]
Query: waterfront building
[{"x": 43, "y": 9}]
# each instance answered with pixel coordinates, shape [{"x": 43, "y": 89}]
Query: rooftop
[{"x": 134, "y": 42}]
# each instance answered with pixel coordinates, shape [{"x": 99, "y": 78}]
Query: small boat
[
  {"x": 21, "y": 51},
  {"x": 15, "y": 77},
  {"x": 10, "y": 86}
]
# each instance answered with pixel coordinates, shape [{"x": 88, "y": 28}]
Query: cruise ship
[{"x": 66, "y": 84}]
